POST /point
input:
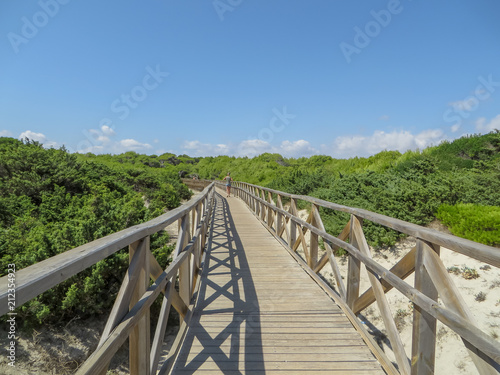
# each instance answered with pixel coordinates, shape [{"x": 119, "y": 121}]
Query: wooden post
[
  {"x": 279, "y": 218},
  {"x": 269, "y": 210},
  {"x": 353, "y": 271},
  {"x": 263, "y": 206},
  {"x": 424, "y": 325},
  {"x": 313, "y": 246},
  {"x": 257, "y": 203},
  {"x": 382, "y": 303},
  {"x": 139, "y": 339},
  {"x": 184, "y": 269},
  {"x": 293, "y": 225}
]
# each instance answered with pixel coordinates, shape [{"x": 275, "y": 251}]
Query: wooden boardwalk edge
[{"x": 265, "y": 327}]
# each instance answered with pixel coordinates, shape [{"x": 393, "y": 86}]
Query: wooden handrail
[
  {"x": 472, "y": 249},
  {"x": 431, "y": 275},
  {"x": 129, "y": 317}
]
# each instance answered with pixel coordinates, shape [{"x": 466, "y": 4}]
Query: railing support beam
[
  {"x": 424, "y": 325},
  {"x": 139, "y": 339}
]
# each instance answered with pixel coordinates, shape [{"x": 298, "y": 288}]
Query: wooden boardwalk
[{"x": 259, "y": 312}]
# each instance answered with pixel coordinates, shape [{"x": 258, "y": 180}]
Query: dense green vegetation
[
  {"x": 52, "y": 201},
  {"x": 478, "y": 223},
  {"x": 410, "y": 186}
]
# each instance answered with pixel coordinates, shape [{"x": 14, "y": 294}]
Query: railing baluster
[
  {"x": 383, "y": 304},
  {"x": 139, "y": 339},
  {"x": 270, "y": 210},
  {"x": 314, "y": 243},
  {"x": 293, "y": 225},
  {"x": 353, "y": 271},
  {"x": 156, "y": 348},
  {"x": 184, "y": 269},
  {"x": 424, "y": 324}
]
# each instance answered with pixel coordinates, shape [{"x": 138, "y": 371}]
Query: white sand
[{"x": 451, "y": 355}]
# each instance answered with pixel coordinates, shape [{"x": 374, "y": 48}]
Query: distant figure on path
[{"x": 228, "y": 183}]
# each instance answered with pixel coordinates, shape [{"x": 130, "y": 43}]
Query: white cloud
[
  {"x": 133, "y": 145},
  {"x": 98, "y": 136},
  {"x": 250, "y": 148},
  {"x": 99, "y": 141},
  {"x": 39, "y": 137},
  {"x": 297, "y": 149},
  {"x": 5, "y": 133},
  {"x": 253, "y": 147},
  {"x": 427, "y": 138},
  {"x": 455, "y": 128},
  {"x": 384, "y": 117},
  {"x": 197, "y": 148},
  {"x": 483, "y": 127},
  {"x": 107, "y": 130},
  {"x": 402, "y": 141}
]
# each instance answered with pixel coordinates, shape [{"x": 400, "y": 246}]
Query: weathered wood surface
[
  {"x": 473, "y": 249},
  {"x": 258, "y": 311},
  {"x": 483, "y": 349}
]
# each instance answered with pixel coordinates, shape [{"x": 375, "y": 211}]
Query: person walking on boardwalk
[{"x": 228, "y": 183}]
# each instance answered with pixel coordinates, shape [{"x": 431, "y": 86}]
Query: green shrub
[
  {"x": 474, "y": 222},
  {"x": 52, "y": 201}
]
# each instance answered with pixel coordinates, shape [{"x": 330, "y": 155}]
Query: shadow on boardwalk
[{"x": 225, "y": 328}]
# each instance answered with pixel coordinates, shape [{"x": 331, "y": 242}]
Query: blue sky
[{"x": 241, "y": 77}]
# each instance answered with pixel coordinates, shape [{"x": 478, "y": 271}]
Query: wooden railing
[
  {"x": 431, "y": 277},
  {"x": 196, "y": 184},
  {"x": 130, "y": 315}
]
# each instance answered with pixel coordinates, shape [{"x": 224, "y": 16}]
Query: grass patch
[{"x": 474, "y": 222}]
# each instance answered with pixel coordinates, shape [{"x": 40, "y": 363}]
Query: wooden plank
[
  {"x": 154, "y": 267},
  {"x": 185, "y": 320},
  {"x": 279, "y": 372},
  {"x": 452, "y": 298},
  {"x": 350, "y": 356},
  {"x": 285, "y": 366},
  {"x": 386, "y": 363},
  {"x": 103, "y": 354},
  {"x": 331, "y": 257},
  {"x": 178, "y": 303},
  {"x": 314, "y": 239},
  {"x": 157, "y": 346},
  {"x": 139, "y": 338},
  {"x": 350, "y": 347},
  {"x": 455, "y": 322},
  {"x": 383, "y": 305},
  {"x": 123, "y": 298},
  {"x": 293, "y": 226},
  {"x": 254, "y": 276},
  {"x": 424, "y": 325},
  {"x": 342, "y": 236},
  {"x": 270, "y": 212},
  {"x": 402, "y": 269},
  {"x": 353, "y": 270}
]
